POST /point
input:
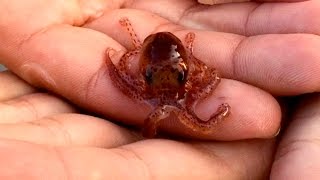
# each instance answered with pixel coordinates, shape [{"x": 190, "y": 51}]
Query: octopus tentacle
[
  {"x": 151, "y": 123},
  {"x": 127, "y": 25},
  {"x": 202, "y": 81},
  {"x": 189, "y": 39},
  {"x": 124, "y": 61},
  {"x": 192, "y": 121},
  {"x": 126, "y": 84}
]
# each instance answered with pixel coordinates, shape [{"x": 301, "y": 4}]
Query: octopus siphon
[{"x": 169, "y": 78}]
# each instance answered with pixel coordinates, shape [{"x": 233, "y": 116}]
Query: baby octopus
[{"x": 169, "y": 78}]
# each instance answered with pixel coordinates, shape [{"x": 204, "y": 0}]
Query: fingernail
[{"x": 277, "y": 133}]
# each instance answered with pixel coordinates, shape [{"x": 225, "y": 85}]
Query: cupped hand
[
  {"x": 61, "y": 47},
  {"x": 43, "y": 136}
]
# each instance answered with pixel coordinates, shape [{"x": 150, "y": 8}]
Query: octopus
[{"x": 169, "y": 78}]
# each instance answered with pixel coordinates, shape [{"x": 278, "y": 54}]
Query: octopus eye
[
  {"x": 148, "y": 75},
  {"x": 181, "y": 77}
]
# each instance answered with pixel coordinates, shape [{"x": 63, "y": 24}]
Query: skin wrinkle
[
  {"x": 249, "y": 17},
  {"x": 190, "y": 14},
  {"x": 198, "y": 8},
  {"x": 50, "y": 83},
  {"x": 30, "y": 106},
  {"x": 30, "y": 37},
  {"x": 43, "y": 30},
  {"x": 93, "y": 81},
  {"x": 255, "y": 21},
  {"x": 61, "y": 159},
  {"x": 24, "y": 103},
  {"x": 188, "y": 11},
  {"x": 134, "y": 157},
  {"x": 234, "y": 59},
  {"x": 56, "y": 128},
  {"x": 295, "y": 145},
  {"x": 296, "y": 78},
  {"x": 205, "y": 150},
  {"x": 30, "y": 68}
]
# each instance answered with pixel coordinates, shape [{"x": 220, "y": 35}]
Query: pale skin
[{"x": 249, "y": 47}]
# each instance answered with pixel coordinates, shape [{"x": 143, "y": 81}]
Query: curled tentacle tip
[
  {"x": 123, "y": 21},
  {"x": 110, "y": 51},
  {"x": 191, "y": 35}
]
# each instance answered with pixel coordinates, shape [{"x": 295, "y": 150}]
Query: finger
[
  {"x": 69, "y": 130},
  {"x": 42, "y": 16},
  {"x": 287, "y": 64},
  {"x": 252, "y": 18},
  {"x": 12, "y": 86},
  {"x": 93, "y": 90},
  {"x": 254, "y": 114},
  {"x": 138, "y": 161},
  {"x": 32, "y": 107},
  {"x": 291, "y": 68},
  {"x": 213, "y": 2},
  {"x": 298, "y": 152}
]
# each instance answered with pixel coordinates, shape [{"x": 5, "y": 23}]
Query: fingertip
[{"x": 253, "y": 114}]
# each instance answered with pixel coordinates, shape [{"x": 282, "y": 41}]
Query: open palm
[{"x": 60, "y": 46}]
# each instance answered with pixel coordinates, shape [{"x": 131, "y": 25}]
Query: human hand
[
  {"x": 212, "y": 2},
  {"x": 298, "y": 152},
  {"x": 51, "y": 52},
  {"x": 42, "y": 136},
  {"x": 42, "y": 51}
]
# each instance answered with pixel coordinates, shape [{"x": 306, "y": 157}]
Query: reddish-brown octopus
[{"x": 169, "y": 78}]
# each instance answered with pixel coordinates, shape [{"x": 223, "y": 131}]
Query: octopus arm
[{"x": 125, "y": 83}]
